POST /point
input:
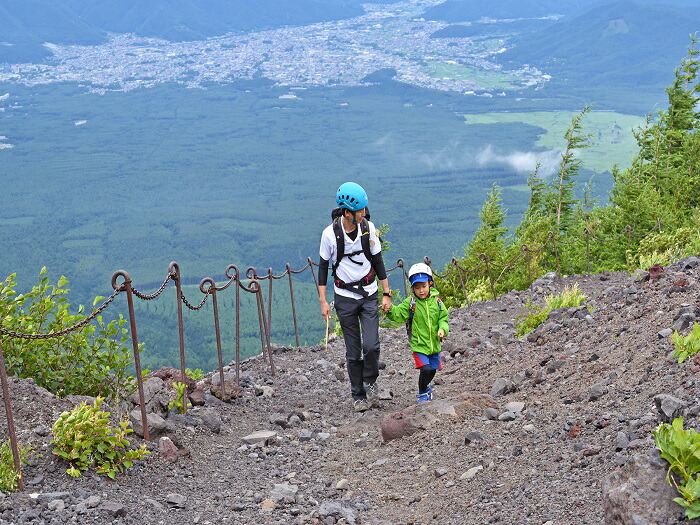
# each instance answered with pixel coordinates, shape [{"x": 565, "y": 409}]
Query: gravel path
[{"x": 572, "y": 402}]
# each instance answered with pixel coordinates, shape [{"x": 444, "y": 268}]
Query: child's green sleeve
[
  {"x": 399, "y": 313},
  {"x": 443, "y": 318}
]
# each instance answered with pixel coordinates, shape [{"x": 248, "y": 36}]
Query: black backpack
[{"x": 336, "y": 216}]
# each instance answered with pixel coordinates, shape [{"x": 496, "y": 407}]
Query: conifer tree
[
  {"x": 489, "y": 238},
  {"x": 568, "y": 170}
]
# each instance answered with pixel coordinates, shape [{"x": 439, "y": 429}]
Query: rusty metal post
[
  {"x": 294, "y": 308},
  {"x": 588, "y": 249},
  {"x": 269, "y": 299},
  {"x": 255, "y": 287},
  {"x": 174, "y": 269},
  {"x": 10, "y": 421},
  {"x": 526, "y": 248},
  {"x": 455, "y": 262},
  {"x": 212, "y": 290},
  {"x": 237, "y": 277},
  {"x": 488, "y": 270},
  {"x": 313, "y": 272},
  {"x": 556, "y": 252},
  {"x": 628, "y": 230},
  {"x": 264, "y": 335},
  {"x": 135, "y": 342}
]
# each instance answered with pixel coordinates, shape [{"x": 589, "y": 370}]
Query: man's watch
[{"x": 387, "y": 294}]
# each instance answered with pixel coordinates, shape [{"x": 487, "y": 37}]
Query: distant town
[{"x": 331, "y": 53}]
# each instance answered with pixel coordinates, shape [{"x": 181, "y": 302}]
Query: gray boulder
[
  {"x": 638, "y": 494},
  {"x": 669, "y": 407}
]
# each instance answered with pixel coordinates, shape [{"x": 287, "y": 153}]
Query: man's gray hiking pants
[{"x": 359, "y": 319}]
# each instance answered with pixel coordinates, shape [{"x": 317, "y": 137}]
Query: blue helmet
[{"x": 351, "y": 196}]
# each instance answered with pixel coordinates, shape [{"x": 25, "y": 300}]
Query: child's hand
[{"x": 441, "y": 335}]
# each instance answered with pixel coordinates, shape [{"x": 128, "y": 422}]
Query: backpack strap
[
  {"x": 340, "y": 244},
  {"x": 364, "y": 239},
  {"x": 409, "y": 321}
]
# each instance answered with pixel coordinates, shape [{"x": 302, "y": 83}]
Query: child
[{"x": 426, "y": 322}]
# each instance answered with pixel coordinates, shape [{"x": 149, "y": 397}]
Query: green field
[
  {"x": 611, "y": 141},
  {"x": 483, "y": 78}
]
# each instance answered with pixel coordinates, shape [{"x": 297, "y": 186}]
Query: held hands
[{"x": 386, "y": 303}]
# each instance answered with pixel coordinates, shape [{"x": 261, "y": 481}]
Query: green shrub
[
  {"x": 480, "y": 291},
  {"x": 84, "y": 438},
  {"x": 195, "y": 374},
  {"x": 8, "y": 475},
  {"x": 568, "y": 298},
  {"x": 681, "y": 448},
  {"x": 687, "y": 346},
  {"x": 92, "y": 360},
  {"x": 536, "y": 315},
  {"x": 180, "y": 399}
]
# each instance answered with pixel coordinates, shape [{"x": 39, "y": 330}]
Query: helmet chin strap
[{"x": 354, "y": 217}]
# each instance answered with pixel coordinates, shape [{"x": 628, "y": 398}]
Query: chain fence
[{"x": 121, "y": 283}]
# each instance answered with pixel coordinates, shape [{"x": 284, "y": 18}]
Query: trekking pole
[{"x": 328, "y": 324}]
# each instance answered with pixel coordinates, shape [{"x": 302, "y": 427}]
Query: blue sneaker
[
  {"x": 430, "y": 392},
  {"x": 423, "y": 397}
]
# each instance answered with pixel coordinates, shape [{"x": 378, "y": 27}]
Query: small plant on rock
[
  {"x": 687, "y": 346},
  {"x": 180, "y": 399},
  {"x": 84, "y": 438},
  {"x": 536, "y": 315},
  {"x": 195, "y": 374},
  {"x": 8, "y": 475},
  {"x": 681, "y": 448}
]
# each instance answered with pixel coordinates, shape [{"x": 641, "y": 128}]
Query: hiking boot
[
  {"x": 361, "y": 405},
  {"x": 429, "y": 392},
  {"x": 372, "y": 392},
  {"x": 423, "y": 397}
]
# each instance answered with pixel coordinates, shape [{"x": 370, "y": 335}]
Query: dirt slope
[{"x": 587, "y": 379}]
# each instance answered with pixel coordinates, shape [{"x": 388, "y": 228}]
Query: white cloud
[{"x": 522, "y": 161}]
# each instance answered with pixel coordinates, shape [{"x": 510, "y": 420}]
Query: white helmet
[{"x": 420, "y": 273}]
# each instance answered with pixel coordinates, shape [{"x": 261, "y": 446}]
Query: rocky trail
[{"x": 542, "y": 430}]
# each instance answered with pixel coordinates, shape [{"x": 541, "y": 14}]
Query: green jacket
[{"x": 429, "y": 317}]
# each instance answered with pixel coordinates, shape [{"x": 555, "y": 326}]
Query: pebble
[
  {"x": 469, "y": 474},
  {"x": 176, "y": 501},
  {"x": 342, "y": 484}
]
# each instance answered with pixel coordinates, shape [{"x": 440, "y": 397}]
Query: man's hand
[
  {"x": 325, "y": 310},
  {"x": 441, "y": 335}
]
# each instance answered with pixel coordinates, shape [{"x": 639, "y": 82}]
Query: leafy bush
[
  {"x": 195, "y": 374},
  {"x": 646, "y": 261},
  {"x": 681, "y": 448},
  {"x": 180, "y": 399},
  {"x": 536, "y": 315},
  {"x": 481, "y": 291},
  {"x": 84, "y": 438},
  {"x": 92, "y": 360},
  {"x": 8, "y": 475},
  {"x": 568, "y": 298},
  {"x": 687, "y": 346}
]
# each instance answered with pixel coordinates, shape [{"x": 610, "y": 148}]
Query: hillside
[
  {"x": 472, "y": 10},
  {"x": 619, "y": 44},
  {"x": 580, "y": 393}
]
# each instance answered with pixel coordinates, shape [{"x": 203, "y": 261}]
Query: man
[{"x": 352, "y": 245}]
